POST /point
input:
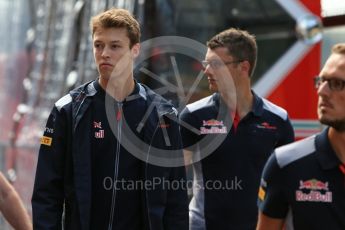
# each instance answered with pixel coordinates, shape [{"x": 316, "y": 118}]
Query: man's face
[
  {"x": 331, "y": 103},
  {"x": 220, "y": 69},
  {"x": 112, "y": 54}
]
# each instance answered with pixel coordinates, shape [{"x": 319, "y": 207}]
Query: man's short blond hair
[{"x": 117, "y": 18}]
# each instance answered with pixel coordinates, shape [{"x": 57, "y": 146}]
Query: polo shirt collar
[
  {"x": 257, "y": 108},
  {"x": 325, "y": 153}
]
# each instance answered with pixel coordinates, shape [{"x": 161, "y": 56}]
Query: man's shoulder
[
  {"x": 201, "y": 104},
  {"x": 76, "y": 94},
  {"x": 293, "y": 152},
  {"x": 63, "y": 101},
  {"x": 87, "y": 88},
  {"x": 274, "y": 109},
  {"x": 162, "y": 105},
  {"x": 149, "y": 94}
]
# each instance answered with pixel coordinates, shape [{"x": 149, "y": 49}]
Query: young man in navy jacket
[{"x": 97, "y": 165}]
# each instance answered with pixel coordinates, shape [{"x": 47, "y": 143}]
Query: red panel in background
[
  {"x": 313, "y": 5},
  {"x": 296, "y": 93}
]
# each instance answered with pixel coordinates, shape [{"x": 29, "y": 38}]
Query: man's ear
[{"x": 135, "y": 50}]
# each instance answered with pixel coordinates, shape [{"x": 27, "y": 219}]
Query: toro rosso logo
[
  {"x": 318, "y": 191},
  {"x": 266, "y": 125}
]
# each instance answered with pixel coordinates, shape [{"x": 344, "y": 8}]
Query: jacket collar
[{"x": 81, "y": 103}]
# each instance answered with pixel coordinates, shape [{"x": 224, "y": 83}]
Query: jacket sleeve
[
  {"x": 176, "y": 212},
  {"x": 48, "y": 195}
]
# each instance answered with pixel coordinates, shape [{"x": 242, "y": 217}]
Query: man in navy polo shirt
[
  {"x": 303, "y": 183},
  {"x": 229, "y": 135}
]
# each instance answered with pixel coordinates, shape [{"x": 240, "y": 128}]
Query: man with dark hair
[
  {"x": 88, "y": 174},
  {"x": 237, "y": 131},
  {"x": 303, "y": 183}
]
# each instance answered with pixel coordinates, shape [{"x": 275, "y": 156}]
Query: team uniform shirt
[
  {"x": 233, "y": 154},
  {"x": 303, "y": 182},
  {"x": 113, "y": 167}
]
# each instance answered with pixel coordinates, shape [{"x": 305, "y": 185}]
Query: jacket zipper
[
  {"x": 117, "y": 161},
  {"x": 146, "y": 165}
]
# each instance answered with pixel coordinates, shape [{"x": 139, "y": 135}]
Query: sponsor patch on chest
[
  {"x": 99, "y": 133},
  {"x": 213, "y": 127}
]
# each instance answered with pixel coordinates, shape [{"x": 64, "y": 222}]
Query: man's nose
[
  {"x": 105, "y": 52},
  {"x": 208, "y": 69},
  {"x": 323, "y": 89}
]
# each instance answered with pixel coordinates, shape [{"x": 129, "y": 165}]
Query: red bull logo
[
  {"x": 313, "y": 184},
  {"x": 97, "y": 124},
  {"x": 213, "y": 127}
]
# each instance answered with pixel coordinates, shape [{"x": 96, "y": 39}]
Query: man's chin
[
  {"x": 105, "y": 75},
  {"x": 213, "y": 89},
  {"x": 338, "y": 125}
]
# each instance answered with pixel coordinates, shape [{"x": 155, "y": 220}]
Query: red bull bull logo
[
  {"x": 313, "y": 184},
  {"x": 212, "y": 122}
]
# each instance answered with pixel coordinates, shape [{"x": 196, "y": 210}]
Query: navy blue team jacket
[{"x": 62, "y": 189}]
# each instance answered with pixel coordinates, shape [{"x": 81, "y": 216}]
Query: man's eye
[
  {"x": 336, "y": 82},
  {"x": 215, "y": 64}
]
